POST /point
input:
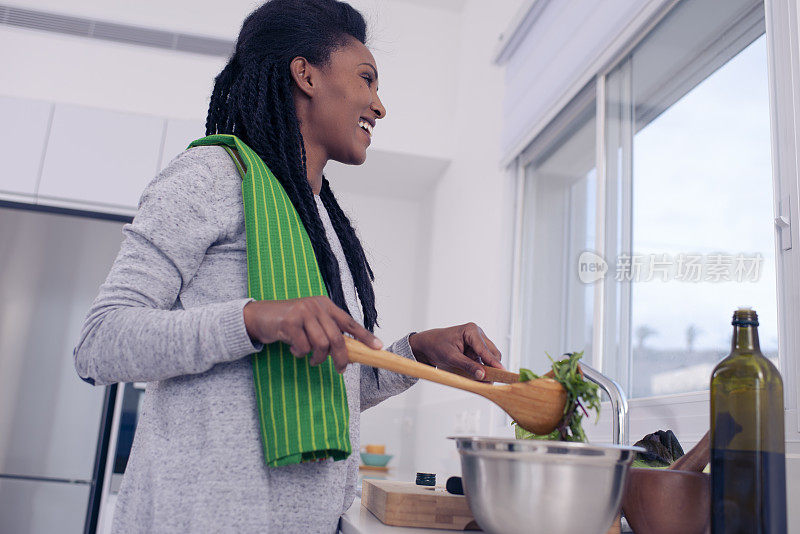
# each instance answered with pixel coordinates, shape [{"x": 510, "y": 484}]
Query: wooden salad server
[
  {"x": 493, "y": 374},
  {"x": 536, "y": 405}
]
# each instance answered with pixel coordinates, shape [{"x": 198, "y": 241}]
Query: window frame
[
  {"x": 687, "y": 413},
  {"x": 783, "y": 63},
  {"x": 550, "y": 135}
]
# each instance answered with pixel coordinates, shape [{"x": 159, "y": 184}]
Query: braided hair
[{"x": 253, "y": 100}]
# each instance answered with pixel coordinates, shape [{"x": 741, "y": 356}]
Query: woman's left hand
[{"x": 462, "y": 347}]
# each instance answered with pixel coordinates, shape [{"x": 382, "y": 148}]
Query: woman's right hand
[{"x": 309, "y": 324}]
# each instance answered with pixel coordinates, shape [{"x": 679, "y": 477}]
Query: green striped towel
[{"x": 302, "y": 409}]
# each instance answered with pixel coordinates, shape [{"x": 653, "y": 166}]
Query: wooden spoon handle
[
  {"x": 696, "y": 459},
  {"x": 493, "y": 374},
  {"x": 360, "y": 353}
]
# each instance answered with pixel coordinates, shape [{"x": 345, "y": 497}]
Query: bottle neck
[{"x": 745, "y": 339}]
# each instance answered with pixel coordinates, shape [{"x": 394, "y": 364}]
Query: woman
[{"x": 300, "y": 90}]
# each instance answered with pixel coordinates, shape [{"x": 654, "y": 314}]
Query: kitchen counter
[{"x": 359, "y": 520}]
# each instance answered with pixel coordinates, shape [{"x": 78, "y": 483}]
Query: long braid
[
  {"x": 354, "y": 252},
  {"x": 216, "y": 108},
  {"x": 252, "y": 99}
]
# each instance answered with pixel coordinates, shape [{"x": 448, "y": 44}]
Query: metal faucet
[{"x": 619, "y": 403}]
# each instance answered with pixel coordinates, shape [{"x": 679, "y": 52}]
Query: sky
[{"x": 703, "y": 185}]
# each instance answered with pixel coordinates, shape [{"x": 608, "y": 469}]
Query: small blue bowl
[{"x": 375, "y": 460}]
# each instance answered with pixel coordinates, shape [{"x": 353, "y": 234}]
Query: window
[
  {"x": 685, "y": 207},
  {"x": 689, "y": 233}
]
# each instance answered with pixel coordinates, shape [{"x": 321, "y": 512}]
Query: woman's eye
[{"x": 368, "y": 78}]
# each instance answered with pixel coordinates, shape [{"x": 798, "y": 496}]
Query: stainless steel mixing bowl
[{"x": 530, "y": 486}]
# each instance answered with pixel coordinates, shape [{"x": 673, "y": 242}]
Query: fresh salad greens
[{"x": 582, "y": 396}]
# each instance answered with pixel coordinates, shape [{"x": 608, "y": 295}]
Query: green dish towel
[{"x": 302, "y": 409}]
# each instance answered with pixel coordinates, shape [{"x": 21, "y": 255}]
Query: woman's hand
[
  {"x": 457, "y": 347},
  {"x": 306, "y": 324}
]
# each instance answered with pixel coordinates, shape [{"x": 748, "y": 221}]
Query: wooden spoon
[
  {"x": 536, "y": 405},
  {"x": 493, "y": 374}
]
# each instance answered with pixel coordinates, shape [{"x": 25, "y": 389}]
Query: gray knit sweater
[{"x": 170, "y": 314}]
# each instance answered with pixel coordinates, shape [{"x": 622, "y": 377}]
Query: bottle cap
[
  {"x": 426, "y": 479},
  {"x": 745, "y": 316}
]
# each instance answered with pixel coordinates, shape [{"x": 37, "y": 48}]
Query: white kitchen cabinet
[
  {"x": 99, "y": 158},
  {"x": 180, "y": 132},
  {"x": 22, "y": 142}
]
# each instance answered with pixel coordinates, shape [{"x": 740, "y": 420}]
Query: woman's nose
[{"x": 377, "y": 108}]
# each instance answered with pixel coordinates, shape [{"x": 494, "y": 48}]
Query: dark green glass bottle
[{"x": 748, "y": 466}]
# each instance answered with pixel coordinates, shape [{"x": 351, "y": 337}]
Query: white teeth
[{"x": 366, "y": 126}]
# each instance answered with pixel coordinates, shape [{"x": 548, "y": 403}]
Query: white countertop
[{"x": 359, "y": 520}]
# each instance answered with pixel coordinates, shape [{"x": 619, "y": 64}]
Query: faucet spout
[{"x": 619, "y": 403}]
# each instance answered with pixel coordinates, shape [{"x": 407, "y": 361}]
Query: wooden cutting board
[{"x": 404, "y": 504}]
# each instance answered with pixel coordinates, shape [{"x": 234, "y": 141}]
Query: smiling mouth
[{"x": 366, "y": 126}]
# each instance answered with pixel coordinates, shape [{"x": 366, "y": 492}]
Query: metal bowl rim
[{"x": 477, "y": 444}]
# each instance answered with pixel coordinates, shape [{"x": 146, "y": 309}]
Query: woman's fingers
[
  {"x": 338, "y": 350},
  {"x": 494, "y": 350},
  {"x": 308, "y": 325},
  {"x": 454, "y": 358},
  {"x": 324, "y": 323},
  {"x": 320, "y": 344},
  {"x": 479, "y": 344},
  {"x": 296, "y": 338},
  {"x": 350, "y": 326},
  {"x": 462, "y": 348}
]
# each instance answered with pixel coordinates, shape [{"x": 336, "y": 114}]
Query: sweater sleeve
[
  {"x": 387, "y": 383},
  {"x": 135, "y": 329}
]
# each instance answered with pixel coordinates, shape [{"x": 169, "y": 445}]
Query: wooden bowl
[{"x": 660, "y": 501}]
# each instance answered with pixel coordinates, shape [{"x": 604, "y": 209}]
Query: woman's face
[{"x": 341, "y": 104}]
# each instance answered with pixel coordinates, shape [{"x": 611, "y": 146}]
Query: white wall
[{"x": 393, "y": 234}]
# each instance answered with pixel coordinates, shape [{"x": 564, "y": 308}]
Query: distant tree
[
  {"x": 691, "y": 336},
  {"x": 642, "y": 333}
]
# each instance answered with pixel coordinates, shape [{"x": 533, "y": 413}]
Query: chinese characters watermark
[{"x": 682, "y": 267}]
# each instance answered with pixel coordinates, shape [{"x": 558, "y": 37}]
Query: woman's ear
[{"x": 301, "y": 71}]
